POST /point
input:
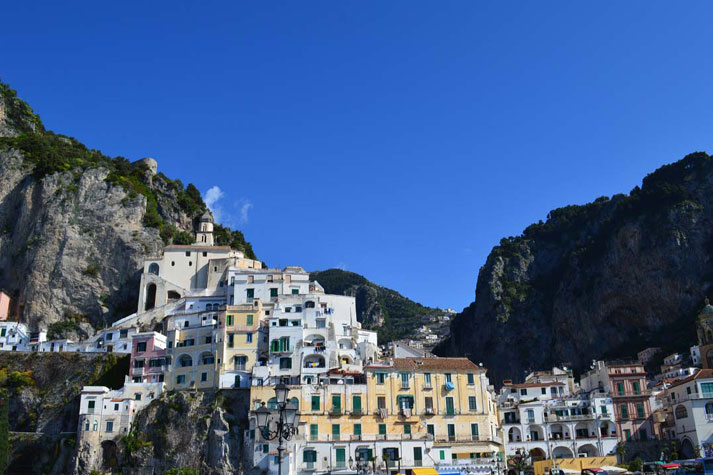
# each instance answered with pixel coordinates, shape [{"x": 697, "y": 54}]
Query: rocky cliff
[
  {"x": 75, "y": 225},
  {"x": 601, "y": 280},
  {"x": 378, "y": 308},
  {"x": 42, "y": 393},
  {"x": 196, "y": 431}
]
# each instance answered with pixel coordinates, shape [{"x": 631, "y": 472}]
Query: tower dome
[
  {"x": 204, "y": 236},
  {"x": 207, "y": 217}
]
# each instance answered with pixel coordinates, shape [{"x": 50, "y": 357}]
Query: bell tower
[{"x": 204, "y": 236}]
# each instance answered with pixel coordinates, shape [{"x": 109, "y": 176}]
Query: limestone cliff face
[
  {"x": 602, "y": 280},
  {"x": 75, "y": 226}
]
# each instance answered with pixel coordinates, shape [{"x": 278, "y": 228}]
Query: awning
[
  {"x": 609, "y": 468},
  {"x": 424, "y": 471}
]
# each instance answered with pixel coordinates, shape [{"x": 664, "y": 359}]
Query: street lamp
[
  {"x": 361, "y": 465},
  {"x": 284, "y": 421}
]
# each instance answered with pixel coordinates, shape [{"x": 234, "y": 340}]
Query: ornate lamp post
[
  {"x": 280, "y": 424},
  {"x": 360, "y": 465}
]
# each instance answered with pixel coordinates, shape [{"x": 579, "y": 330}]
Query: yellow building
[
  {"x": 191, "y": 347},
  {"x": 412, "y": 412},
  {"x": 238, "y": 343}
]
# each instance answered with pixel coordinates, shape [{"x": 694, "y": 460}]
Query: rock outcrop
[
  {"x": 75, "y": 225},
  {"x": 603, "y": 280}
]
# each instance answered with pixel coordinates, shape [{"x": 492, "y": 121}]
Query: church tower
[{"x": 204, "y": 236}]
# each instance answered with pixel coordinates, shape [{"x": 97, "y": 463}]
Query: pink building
[
  {"x": 4, "y": 305},
  {"x": 148, "y": 357}
]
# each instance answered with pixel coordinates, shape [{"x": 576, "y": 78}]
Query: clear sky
[{"x": 397, "y": 139}]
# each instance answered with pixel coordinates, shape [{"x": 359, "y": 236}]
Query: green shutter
[
  {"x": 315, "y": 403},
  {"x": 336, "y": 403},
  {"x": 356, "y": 404},
  {"x": 341, "y": 455},
  {"x": 357, "y": 429},
  {"x": 249, "y": 320},
  {"x": 382, "y": 429},
  {"x": 407, "y": 428},
  {"x": 335, "y": 429},
  {"x": 313, "y": 431}
]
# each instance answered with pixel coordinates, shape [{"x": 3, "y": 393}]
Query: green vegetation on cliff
[
  {"x": 48, "y": 153},
  {"x": 376, "y": 304}
]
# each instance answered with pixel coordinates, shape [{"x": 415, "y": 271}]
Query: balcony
[
  {"x": 309, "y": 466},
  {"x": 429, "y": 411},
  {"x": 356, "y": 412},
  {"x": 335, "y": 411}
]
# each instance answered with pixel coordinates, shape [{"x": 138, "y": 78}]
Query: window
[
  {"x": 603, "y": 409},
  {"x": 209, "y": 340},
  {"x": 450, "y": 408},
  {"x": 250, "y": 293},
  {"x": 380, "y": 378},
  {"x": 405, "y": 402},
  {"x": 229, "y": 320},
  {"x": 336, "y": 403},
  {"x": 624, "y": 411},
  {"x": 627, "y": 434},
  {"x": 137, "y": 396},
  {"x": 448, "y": 378},
  {"x": 139, "y": 363},
  {"x": 418, "y": 456},
  {"x": 357, "y": 429},
  {"x": 381, "y": 402},
  {"x": 273, "y": 292},
  {"x": 309, "y": 457},
  {"x": 620, "y": 388},
  {"x": 637, "y": 389},
  {"x": 109, "y": 426},
  {"x": 204, "y": 377},
  {"x": 523, "y": 392},
  {"x": 341, "y": 457},
  {"x": 356, "y": 404},
  {"x": 141, "y": 347},
  {"x": 471, "y": 378},
  {"x": 530, "y": 416},
  {"x": 86, "y": 425},
  {"x": 335, "y": 432},
  {"x": 285, "y": 363},
  {"x": 681, "y": 412},
  {"x": 249, "y": 320},
  {"x": 472, "y": 404},
  {"x": 313, "y": 431},
  {"x": 123, "y": 333},
  {"x": 429, "y": 405},
  {"x": 404, "y": 380},
  {"x": 181, "y": 379},
  {"x": 188, "y": 253},
  {"x": 249, "y": 338},
  {"x": 3, "y": 331},
  {"x": 640, "y": 410},
  {"x": 231, "y": 340},
  {"x": 295, "y": 291},
  {"x": 430, "y": 429},
  {"x": 451, "y": 432},
  {"x": 407, "y": 429},
  {"x": 544, "y": 390},
  {"x": 427, "y": 379},
  {"x": 474, "y": 432},
  {"x": 382, "y": 429},
  {"x": 315, "y": 403},
  {"x": 442, "y": 455},
  {"x": 90, "y": 404},
  {"x": 116, "y": 407}
]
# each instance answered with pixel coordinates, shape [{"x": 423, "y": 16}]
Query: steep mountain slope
[
  {"x": 75, "y": 225},
  {"x": 390, "y": 313},
  {"x": 601, "y": 280}
]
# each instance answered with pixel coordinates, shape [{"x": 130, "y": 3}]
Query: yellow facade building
[
  {"x": 238, "y": 343},
  {"x": 408, "y": 413}
]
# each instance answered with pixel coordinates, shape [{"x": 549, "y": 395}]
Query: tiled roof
[
  {"x": 426, "y": 364},
  {"x": 704, "y": 373}
]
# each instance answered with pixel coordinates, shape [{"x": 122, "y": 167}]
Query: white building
[
  {"x": 14, "y": 336},
  {"x": 545, "y": 418},
  {"x": 691, "y": 401},
  {"x": 696, "y": 355}
]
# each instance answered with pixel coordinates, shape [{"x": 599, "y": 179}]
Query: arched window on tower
[{"x": 153, "y": 269}]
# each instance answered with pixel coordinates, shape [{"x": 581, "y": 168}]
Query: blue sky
[{"x": 400, "y": 140}]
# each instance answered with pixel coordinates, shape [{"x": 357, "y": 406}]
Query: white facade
[
  {"x": 696, "y": 355},
  {"x": 106, "y": 414},
  {"x": 691, "y": 402},
  {"x": 13, "y": 336}
]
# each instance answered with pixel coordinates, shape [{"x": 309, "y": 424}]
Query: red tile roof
[
  {"x": 704, "y": 373},
  {"x": 425, "y": 364}
]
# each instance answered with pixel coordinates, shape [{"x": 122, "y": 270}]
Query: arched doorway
[
  {"x": 562, "y": 453},
  {"x": 537, "y": 454},
  {"x": 687, "y": 451},
  {"x": 587, "y": 450},
  {"x": 150, "y": 300}
]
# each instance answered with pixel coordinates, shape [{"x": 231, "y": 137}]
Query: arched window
[
  {"x": 709, "y": 409},
  {"x": 681, "y": 412},
  {"x": 150, "y": 301},
  {"x": 295, "y": 402},
  {"x": 86, "y": 424},
  {"x": 309, "y": 304},
  {"x": 153, "y": 269},
  {"x": 272, "y": 403},
  {"x": 185, "y": 360}
]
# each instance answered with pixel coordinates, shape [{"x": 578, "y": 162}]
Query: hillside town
[{"x": 326, "y": 398}]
